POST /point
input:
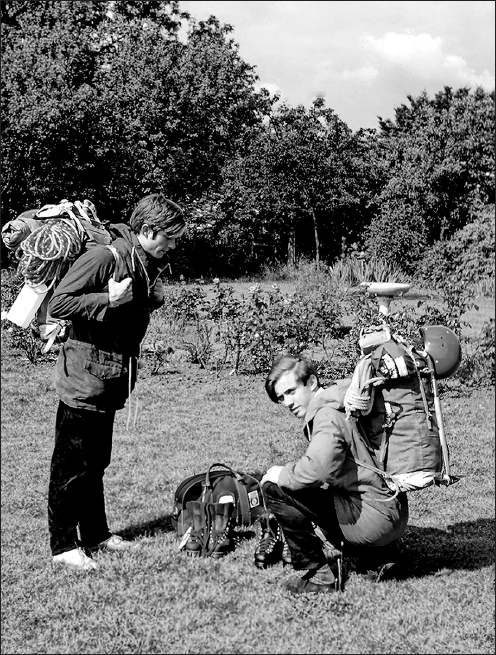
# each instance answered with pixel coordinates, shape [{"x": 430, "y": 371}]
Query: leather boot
[
  {"x": 270, "y": 546},
  {"x": 220, "y": 541},
  {"x": 196, "y": 541}
]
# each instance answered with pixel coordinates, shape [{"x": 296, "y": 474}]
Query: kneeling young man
[{"x": 330, "y": 485}]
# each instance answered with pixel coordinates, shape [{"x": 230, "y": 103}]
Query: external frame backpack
[
  {"x": 393, "y": 398},
  {"x": 46, "y": 242}
]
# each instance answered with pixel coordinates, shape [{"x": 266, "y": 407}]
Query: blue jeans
[{"x": 83, "y": 446}]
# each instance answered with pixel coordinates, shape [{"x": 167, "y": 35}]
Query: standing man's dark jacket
[{"x": 96, "y": 367}]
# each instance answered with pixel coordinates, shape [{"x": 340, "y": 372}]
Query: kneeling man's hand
[{"x": 272, "y": 475}]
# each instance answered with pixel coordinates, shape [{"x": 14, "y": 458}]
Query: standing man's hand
[
  {"x": 120, "y": 292},
  {"x": 272, "y": 475}
]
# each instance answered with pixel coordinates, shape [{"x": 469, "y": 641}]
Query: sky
[{"x": 364, "y": 58}]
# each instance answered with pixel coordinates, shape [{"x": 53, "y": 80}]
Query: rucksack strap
[
  {"x": 244, "y": 513},
  {"x": 117, "y": 259}
]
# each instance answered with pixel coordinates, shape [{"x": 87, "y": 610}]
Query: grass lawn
[{"x": 156, "y": 600}]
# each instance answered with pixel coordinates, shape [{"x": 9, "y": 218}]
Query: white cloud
[
  {"x": 424, "y": 56},
  {"x": 365, "y": 74},
  {"x": 401, "y": 48},
  {"x": 304, "y": 48}
]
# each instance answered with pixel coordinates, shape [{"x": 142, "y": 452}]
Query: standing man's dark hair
[
  {"x": 108, "y": 294},
  {"x": 159, "y": 213}
]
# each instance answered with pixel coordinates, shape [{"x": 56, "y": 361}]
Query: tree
[
  {"x": 437, "y": 159},
  {"x": 298, "y": 184},
  {"x": 49, "y": 61},
  {"x": 104, "y": 100}
]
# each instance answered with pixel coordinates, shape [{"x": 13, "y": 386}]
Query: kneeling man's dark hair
[{"x": 283, "y": 364}]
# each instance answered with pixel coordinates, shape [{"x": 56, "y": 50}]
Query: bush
[
  {"x": 353, "y": 269},
  {"x": 397, "y": 234},
  {"x": 466, "y": 259},
  {"x": 218, "y": 328},
  {"x": 26, "y": 341},
  {"x": 478, "y": 367}
]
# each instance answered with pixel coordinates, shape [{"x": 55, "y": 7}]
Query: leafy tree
[
  {"x": 49, "y": 61},
  {"x": 466, "y": 259},
  {"x": 298, "y": 183},
  {"x": 105, "y": 100},
  {"x": 437, "y": 158}
]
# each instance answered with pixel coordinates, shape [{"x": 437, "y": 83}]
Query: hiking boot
[
  {"x": 270, "y": 547},
  {"x": 115, "y": 543},
  {"x": 196, "y": 539},
  {"x": 75, "y": 559},
  {"x": 316, "y": 581},
  {"x": 220, "y": 540}
]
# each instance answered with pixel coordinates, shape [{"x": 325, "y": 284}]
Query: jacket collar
[
  {"x": 312, "y": 408},
  {"x": 332, "y": 396}
]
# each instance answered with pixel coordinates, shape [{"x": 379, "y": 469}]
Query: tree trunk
[
  {"x": 291, "y": 260},
  {"x": 316, "y": 237}
]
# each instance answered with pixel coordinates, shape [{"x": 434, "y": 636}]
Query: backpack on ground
[{"x": 209, "y": 506}]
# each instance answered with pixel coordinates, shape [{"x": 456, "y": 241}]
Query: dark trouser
[
  {"x": 297, "y": 510},
  {"x": 83, "y": 445}
]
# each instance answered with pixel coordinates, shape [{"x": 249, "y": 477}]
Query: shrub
[
  {"x": 25, "y": 341},
  {"x": 466, "y": 259},
  {"x": 397, "y": 234},
  {"x": 219, "y": 328},
  {"x": 353, "y": 269},
  {"x": 478, "y": 366}
]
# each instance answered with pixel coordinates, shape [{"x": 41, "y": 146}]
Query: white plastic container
[{"x": 27, "y": 304}]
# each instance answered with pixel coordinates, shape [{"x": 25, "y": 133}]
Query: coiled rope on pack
[{"x": 49, "y": 250}]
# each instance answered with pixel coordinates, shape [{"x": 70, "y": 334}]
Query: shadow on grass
[
  {"x": 468, "y": 545},
  {"x": 424, "y": 551},
  {"x": 164, "y": 524},
  {"x": 149, "y": 528}
]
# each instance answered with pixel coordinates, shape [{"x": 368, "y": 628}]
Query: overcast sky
[{"x": 363, "y": 57}]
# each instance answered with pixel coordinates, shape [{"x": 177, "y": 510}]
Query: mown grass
[{"x": 155, "y": 600}]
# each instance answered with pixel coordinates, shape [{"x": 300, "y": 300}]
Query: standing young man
[
  {"x": 109, "y": 297},
  {"x": 331, "y": 485}
]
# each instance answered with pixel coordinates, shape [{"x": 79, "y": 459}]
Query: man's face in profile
[{"x": 292, "y": 393}]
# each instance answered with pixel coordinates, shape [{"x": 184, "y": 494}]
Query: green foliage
[
  {"x": 478, "y": 367},
  {"x": 437, "y": 162},
  {"x": 155, "y": 599},
  {"x": 25, "y": 341},
  {"x": 219, "y": 328},
  {"x": 114, "y": 100},
  {"x": 467, "y": 258},
  {"x": 296, "y": 188},
  {"x": 351, "y": 270},
  {"x": 106, "y": 101}
]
